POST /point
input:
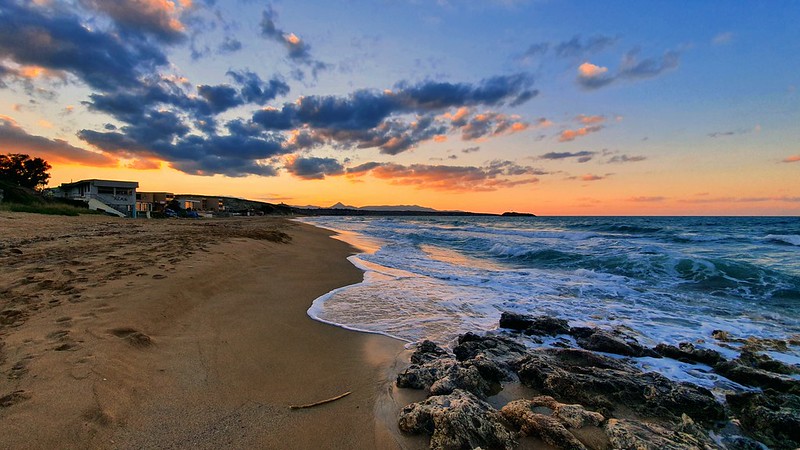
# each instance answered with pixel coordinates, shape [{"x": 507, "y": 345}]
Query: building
[
  {"x": 149, "y": 202},
  {"x": 110, "y": 196}
]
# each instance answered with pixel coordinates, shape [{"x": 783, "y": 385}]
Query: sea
[{"x": 657, "y": 279}]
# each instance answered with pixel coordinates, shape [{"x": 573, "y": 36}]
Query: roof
[{"x": 112, "y": 183}]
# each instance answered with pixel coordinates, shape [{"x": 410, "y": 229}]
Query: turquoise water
[{"x": 659, "y": 279}]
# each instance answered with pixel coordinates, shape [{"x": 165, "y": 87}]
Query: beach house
[
  {"x": 110, "y": 196},
  {"x": 150, "y": 202}
]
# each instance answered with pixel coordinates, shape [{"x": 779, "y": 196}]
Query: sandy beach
[{"x": 177, "y": 333}]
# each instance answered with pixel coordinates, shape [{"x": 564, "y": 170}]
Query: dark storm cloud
[
  {"x": 255, "y": 90},
  {"x": 220, "y": 98},
  {"x": 583, "y": 156},
  {"x": 313, "y": 168},
  {"x": 55, "y": 38}
]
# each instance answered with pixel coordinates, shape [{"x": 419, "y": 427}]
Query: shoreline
[{"x": 182, "y": 339}]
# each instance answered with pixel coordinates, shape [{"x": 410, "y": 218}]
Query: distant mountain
[{"x": 414, "y": 208}]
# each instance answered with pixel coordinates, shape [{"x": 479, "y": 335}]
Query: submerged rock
[
  {"x": 458, "y": 420},
  {"x": 771, "y": 417},
  {"x": 686, "y": 352},
  {"x": 602, "y": 382}
]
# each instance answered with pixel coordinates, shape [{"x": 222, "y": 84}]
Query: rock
[
  {"x": 427, "y": 351},
  {"x": 741, "y": 443},
  {"x": 442, "y": 376},
  {"x": 686, "y": 352},
  {"x": 764, "y": 362},
  {"x": 459, "y": 420},
  {"x": 494, "y": 356},
  {"x": 602, "y": 382},
  {"x": 514, "y": 321},
  {"x": 581, "y": 332},
  {"x": 521, "y": 413},
  {"x": 547, "y": 326},
  {"x": 603, "y": 341},
  {"x": 771, "y": 417},
  {"x": 634, "y": 435},
  {"x": 739, "y": 371}
]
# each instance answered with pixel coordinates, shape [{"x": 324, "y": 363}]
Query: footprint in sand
[
  {"x": 133, "y": 336},
  {"x": 13, "y": 398}
]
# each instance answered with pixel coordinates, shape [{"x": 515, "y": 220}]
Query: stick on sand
[{"x": 321, "y": 402}]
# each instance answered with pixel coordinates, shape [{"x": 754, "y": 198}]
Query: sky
[{"x": 544, "y": 106}]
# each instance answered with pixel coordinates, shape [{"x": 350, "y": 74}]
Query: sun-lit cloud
[
  {"x": 646, "y": 199},
  {"x": 490, "y": 177},
  {"x": 590, "y": 120},
  {"x": 791, "y": 159},
  {"x": 570, "y": 135},
  {"x": 15, "y": 139},
  {"x": 631, "y": 67},
  {"x": 159, "y": 18}
]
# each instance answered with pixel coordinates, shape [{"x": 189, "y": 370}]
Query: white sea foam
[{"x": 438, "y": 278}]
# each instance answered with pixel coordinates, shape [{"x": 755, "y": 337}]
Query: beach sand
[{"x": 181, "y": 333}]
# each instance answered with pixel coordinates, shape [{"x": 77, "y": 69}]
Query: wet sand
[{"x": 180, "y": 333}]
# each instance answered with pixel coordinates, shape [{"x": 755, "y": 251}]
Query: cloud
[
  {"x": 722, "y": 38},
  {"x": 255, "y": 90},
  {"x": 644, "y": 199},
  {"x": 583, "y": 156},
  {"x": 620, "y": 159},
  {"x": 491, "y": 124},
  {"x": 590, "y": 177},
  {"x": 297, "y": 49},
  {"x": 54, "y": 38},
  {"x": 470, "y": 149},
  {"x": 313, "y": 168},
  {"x": 579, "y": 47},
  {"x": 791, "y": 159},
  {"x": 159, "y": 18},
  {"x": 229, "y": 45},
  {"x": 591, "y": 76},
  {"x": 15, "y": 139},
  {"x": 590, "y": 120},
  {"x": 490, "y": 177},
  {"x": 570, "y": 135}
]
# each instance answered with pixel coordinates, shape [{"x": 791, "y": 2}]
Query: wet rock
[
  {"x": 459, "y": 420},
  {"x": 581, "y": 332},
  {"x": 771, "y": 417},
  {"x": 522, "y": 414},
  {"x": 764, "y": 362},
  {"x": 514, "y": 321},
  {"x": 547, "y": 326},
  {"x": 602, "y": 382},
  {"x": 741, "y": 443},
  {"x": 686, "y": 352},
  {"x": 634, "y": 435},
  {"x": 740, "y": 371},
  {"x": 427, "y": 351},
  {"x": 443, "y": 376},
  {"x": 494, "y": 356},
  {"x": 603, "y": 341}
]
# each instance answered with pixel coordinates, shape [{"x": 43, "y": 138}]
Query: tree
[{"x": 20, "y": 169}]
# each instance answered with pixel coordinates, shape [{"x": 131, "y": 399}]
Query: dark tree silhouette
[{"x": 21, "y": 170}]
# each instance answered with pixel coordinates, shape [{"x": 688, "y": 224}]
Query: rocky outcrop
[
  {"x": 742, "y": 371},
  {"x": 772, "y": 417},
  {"x": 635, "y": 435},
  {"x": 534, "y": 325},
  {"x": 439, "y": 373},
  {"x": 601, "y": 382},
  {"x": 604, "y": 341},
  {"x": 458, "y": 420},
  {"x": 686, "y": 352},
  {"x": 550, "y": 421}
]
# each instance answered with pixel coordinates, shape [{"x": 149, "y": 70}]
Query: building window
[{"x": 105, "y": 190}]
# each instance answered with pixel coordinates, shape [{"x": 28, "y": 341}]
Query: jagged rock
[
  {"x": 514, "y": 321},
  {"x": 603, "y": 341},
  {"x": 459, "y": 420},
  {"x": 442, "y": 376},
  {"x": 741, "y": 443},
  {"x": 601, "y": 382},
  {"x": 764, "y": 362},
  {"x": 427, "y": 351},
  {"x": 686, "y": 352},
  {"x": 521, "y": 413},
  {"x": 547, "y": 326},
  {"x": 740, "y": 371},
  {"x": 494, "y": 356},
  {"x": 581, "y": 332},
  {"x": 771, "y": 417},
  {"x": 634, "y": 435}
]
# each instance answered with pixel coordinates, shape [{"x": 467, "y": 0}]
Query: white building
[{"x": 110, "y": 196}]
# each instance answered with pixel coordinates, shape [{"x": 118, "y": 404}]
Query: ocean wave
[{"x": 784, "y": 239}]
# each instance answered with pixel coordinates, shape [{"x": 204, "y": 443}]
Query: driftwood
[{"x": 321, "y": 402}]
